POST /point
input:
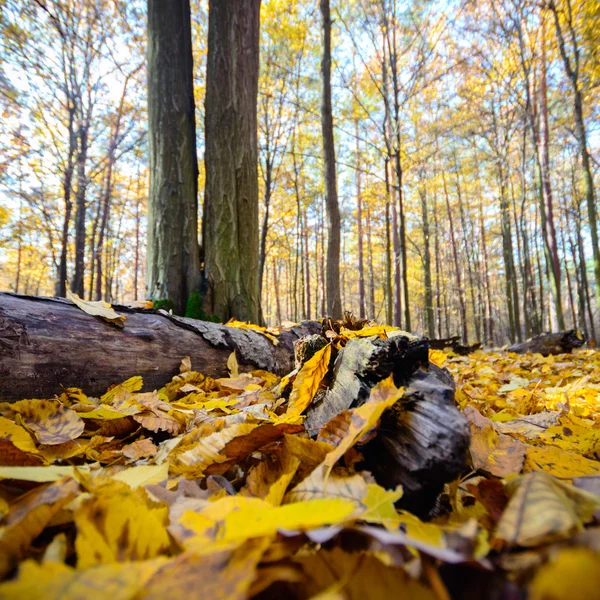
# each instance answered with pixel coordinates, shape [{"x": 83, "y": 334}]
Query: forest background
[{"x": 467, "y": 145}]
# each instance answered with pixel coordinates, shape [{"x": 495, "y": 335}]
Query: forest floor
[{"x": 166, "y": 494}]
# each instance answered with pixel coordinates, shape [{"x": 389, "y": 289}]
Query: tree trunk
[
  {"x": 571, "y": 66},
  {"x": 461, "y": 292},
  {"x": 359, "y": 219},
  {"x": 80, "y": 209},
  {"x": 173, "y": 256},
  {"x": 429, "y": 322},
  {"x": 36, "y": 363},
  {"x": 334, "y": 302},
  {"x": 67, "y": 185}
]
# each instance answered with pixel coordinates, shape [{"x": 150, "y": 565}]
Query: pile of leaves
[{"x": 212, "y": 488}]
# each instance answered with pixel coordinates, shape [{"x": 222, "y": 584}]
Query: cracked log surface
[
  {"x": 422, "y": 441},
  {"x": 47, "y": 344}
]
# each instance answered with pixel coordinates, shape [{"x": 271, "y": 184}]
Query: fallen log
[
  {"x": 454, "y": 344},
  {"x": 422, "y": 441},
  {"x": 545, "y": 344},
  {"x": 47, "y": 344}
]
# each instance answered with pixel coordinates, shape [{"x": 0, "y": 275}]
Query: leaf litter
[{"x": 213, "y": 488}]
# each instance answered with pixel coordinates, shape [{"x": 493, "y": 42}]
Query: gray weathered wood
[{"x": 47, "y": 344}]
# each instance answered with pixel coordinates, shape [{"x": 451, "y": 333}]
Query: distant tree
[
  {"x": 230, "y": 219},
  {"x": 334, "y": 302},
  {"x": 173, "y": 267}
]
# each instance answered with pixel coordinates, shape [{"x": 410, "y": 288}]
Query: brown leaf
[
  {"x": 29, "y": 516},
  {"x": 51, "y": 422},
  {"x": 493, "y": 452}
]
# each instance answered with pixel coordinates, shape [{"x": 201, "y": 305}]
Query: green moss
[
  {"x": 165, "y": 304},
  {"x": 195, "y": 308}
]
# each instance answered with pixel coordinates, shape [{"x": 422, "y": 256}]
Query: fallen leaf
[
  {"x": 542, "y": 509},
  {"x": 308, "y": 380},
  {"x": 232, "y": 365},
  {"x": 573, "y": 574},
  {"x": 493, "y": 452},
  {"x": 49, "y": 420},
  {"x": 349, "y": 426},
  {"x": 55, "y": 581},
  {"x": 119, "y": 525},
  {"x": 97, "y": 309},
  {"x": 231, "y": 520},
  {"x": 28, "y": 517}
]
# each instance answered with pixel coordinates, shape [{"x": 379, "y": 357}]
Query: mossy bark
[
  {"x": 230, "y": 220},
  {"x": 173, "y": 257}
]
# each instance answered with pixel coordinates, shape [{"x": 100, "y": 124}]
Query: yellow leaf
[
  {"x": 228, "y": 445},
  {"x": 437, "y": 357},
  {"x": 559, "y": 463},
  {"x": 231, "y": 520},
  {"x": 143, "y": 475},
  {"x": 133, "y": 384},
  {"x": 251, "y": 327},
  {"x": 51, "y": 422},
  {"x": 97, "y": 309},
  {"x": 16, "y": 435},
  {"x": 117, "y": 526},
  {"x": 55, "y": 581},
  {"x": 372, "y": 502},
  {"x": 573, "y": 574},
  {"x": 359, "y": 576},
  {"x": 270, "y": 478},
  {"x": 542, "y": 510},
  {"x": 379, "y": 330},
  {"x": 28, "y": 517},
  {"x": 232, "y": 365},
  {"x": 308, "y": 380},
  {"x": 226, "y": 575},
  {"x": 349, "y": 426},
  {"x": 38, "y": 474}
]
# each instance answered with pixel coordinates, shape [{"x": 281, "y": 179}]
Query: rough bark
[
  {"x": 334, "y": 301},
  {"x": 230, "y": 223},
  {"x": 551, "y": 343},
  {"x": 49, "y": 344},
  {"x": 173, "y": 257},
  {"x": 422, "y": 441}
]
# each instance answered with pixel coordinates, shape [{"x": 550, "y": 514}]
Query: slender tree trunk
[
  {"x": 265, "y": 224},
  {"x": 388, "y": 247},
  {"x": 429, "y": 323},
  {"x": 438, "y": 283},
  {"x": 306, "y": 265},
  {"x": 371, "y": 270},
  {"x": 67, "y": 184},
  {"x": 461, "y": 292},
  {"x": 173, "y": 254},
  {"x": 397, "y": 261},
  {"x": 359, "y": 218},
  {"x": 276, "y": 267},
  {"x": 334, "y": 303},
  {"x": 80, "y": 209}
]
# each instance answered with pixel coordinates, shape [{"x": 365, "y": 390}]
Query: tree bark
[
  {"x": 334, "y": 302},
  {"x": 47, "y": 345},
  {"x": 173, "y": 257},
  {"x": 230, "y": 225}
]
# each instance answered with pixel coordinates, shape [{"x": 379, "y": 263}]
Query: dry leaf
[
  {"x": 308, "y": 380},
  {"x": 349, "y": 426},
  {"x": 541, "y": 510},
  {"x": 97, "y": 309},
  {"x": 49, "y": 420}
]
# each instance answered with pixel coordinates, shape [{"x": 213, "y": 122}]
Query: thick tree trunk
[
  {"x": 47, "y": 345},
  {"x": 230, "y": 225},
  {"x": 173, "y": 256},
  {"x": 334, "y": 301}
]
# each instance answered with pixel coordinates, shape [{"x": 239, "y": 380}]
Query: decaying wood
[
  {"x": 48, "y": 344},
  {"x": 551, "y": 343},
  {"x": 422, "y": 442},
  {"x": 454, "y": 344}
]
